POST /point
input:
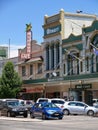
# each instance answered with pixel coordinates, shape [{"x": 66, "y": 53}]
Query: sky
[{"x": 15, "y": 14}]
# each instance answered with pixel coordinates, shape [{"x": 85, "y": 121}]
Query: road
[{"x": 68, "y": 123}]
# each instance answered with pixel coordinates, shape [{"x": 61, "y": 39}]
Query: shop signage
[
  {"x": 34, "y": 90},
  {"x": 52, "y": 30},
  {"x": 27, "y": 54},
  {"x": 56, "y": 79},
  {"x": 83, "y": 86},
  {"x": 28, "y": 42}
]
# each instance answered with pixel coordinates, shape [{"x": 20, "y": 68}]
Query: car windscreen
[
  {"x": 57, "y": 102},
  {"x": 50, "y": 105},
  {"x": 43, "y": 100},
  {"x": 13, "y": 103}
]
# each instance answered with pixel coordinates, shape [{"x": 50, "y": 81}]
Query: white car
[
  {"x": 58, "y": 102},
  {"x": 95, "y": 102},
  {"x": 43, "y": 100},
  {"x": 76, "y": 107}
]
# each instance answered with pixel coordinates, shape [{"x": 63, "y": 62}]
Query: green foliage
[{"x": 10, "y": 82}]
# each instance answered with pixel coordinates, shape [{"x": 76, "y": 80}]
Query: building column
[
  {"x": 84, "y": 53},
  {"x": 60, "y": 59},
  {"x": 45, "y": 63}
]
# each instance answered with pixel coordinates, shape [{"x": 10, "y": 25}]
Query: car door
[
  {"x": 80, "y": 108},
  {"x": 37, "y": 110},
  {"x": 4, "y": 109},
  {"x": 72, "y": 107}
]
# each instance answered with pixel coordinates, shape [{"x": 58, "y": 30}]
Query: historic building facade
[
  {"x": 57, "y": 28},
  {"x": 69, "y": 69},
  {"x": 30, "y": 66},
  {"x": 80, "y": 63}
]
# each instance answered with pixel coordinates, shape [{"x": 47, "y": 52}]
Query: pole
[
  {"x": 68, "y": 52},
  {"x": 9, "y": 48},
  {"x": 93, "y": 46}
]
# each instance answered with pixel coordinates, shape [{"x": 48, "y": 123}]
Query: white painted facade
[
  {"x": 70, "y": 24},
  {"x": 75, "y": 22}
]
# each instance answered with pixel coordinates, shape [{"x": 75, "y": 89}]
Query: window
[
  {"x": 57, "y": 55},
  {"x": 81, "y": 66},
  {"x": 23, "y": 71},
  {"x": 39, "y": 68},
  {"x": 72, "y": 104},
  {"x": 52, "y": 57},
  {"x": 47, "y": 58},
  {"x": 57, "y": 102},
  {"x": 80, "y": 105},
  {"x": 87, "y": 63},
  {"x": 31, "y": 69},
  {"x": 64, "y": 68}
]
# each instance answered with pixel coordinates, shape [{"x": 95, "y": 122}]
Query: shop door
[{"x": 88, "y": 97}]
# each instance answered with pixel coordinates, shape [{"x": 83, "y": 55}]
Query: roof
[
  {"x": 34, "y": 60},
  {"x": 30, "y": 61}
]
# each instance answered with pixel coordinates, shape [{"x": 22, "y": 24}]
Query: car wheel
[
  {"x": 26, "y": 115},
  {"x": 43, "y": 116},
  {"x": 60, "y": 118},
  {"x": 8, "y": 114},
  {"x": 66, "y": 112},
  {"x": 31, "y": 115},
  {"x": 90, "y": 113}
]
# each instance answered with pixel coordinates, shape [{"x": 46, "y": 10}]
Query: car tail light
[{"x": 62, "y": 106}]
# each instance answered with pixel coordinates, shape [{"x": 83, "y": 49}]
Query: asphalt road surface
[{"x": 68, "y": 123}]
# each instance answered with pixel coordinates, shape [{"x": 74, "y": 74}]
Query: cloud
[{"x": 14, "y": 50}]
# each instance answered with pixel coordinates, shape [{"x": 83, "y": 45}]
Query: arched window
[
  {"x": 47, "y": 58},
  {"x": 92, "y": 64},
  {"x": 52, "y": 56},
  {"x": 57, "y": 54},
  {"x": 87, "y": 63}
]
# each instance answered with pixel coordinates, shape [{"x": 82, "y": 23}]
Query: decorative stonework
[{"x": 28, "y": 27}]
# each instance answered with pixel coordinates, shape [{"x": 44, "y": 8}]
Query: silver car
[{"x": 76, "y": 107}]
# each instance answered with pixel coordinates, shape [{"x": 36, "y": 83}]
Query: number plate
[{"x": 20, "y": 112}]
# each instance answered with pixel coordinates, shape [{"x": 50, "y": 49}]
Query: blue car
[{"x": 46, "y": 110}]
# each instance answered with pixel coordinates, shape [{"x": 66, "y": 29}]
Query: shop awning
[
  {"x": 21, "y": 62},
  {"x": 34, "y": 60},
  {"x": 30, "y": 61}
]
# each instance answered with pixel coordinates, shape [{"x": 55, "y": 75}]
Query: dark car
[
  {"x": 46, "y": 110},
  {"x": 12, "y": 108}
]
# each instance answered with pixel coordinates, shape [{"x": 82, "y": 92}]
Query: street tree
[{"x": 10, "y": 81}]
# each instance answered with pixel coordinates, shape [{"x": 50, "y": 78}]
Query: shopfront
[{"x": 32, "y": 92}]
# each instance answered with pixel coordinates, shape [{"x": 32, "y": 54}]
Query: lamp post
[
  {"x": 83, "y": 93},
  {"x": 71, "y": 97}
]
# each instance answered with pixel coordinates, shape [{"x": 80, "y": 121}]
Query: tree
[{"x": 10, "y": 82}]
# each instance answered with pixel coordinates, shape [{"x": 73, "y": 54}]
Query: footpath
[{"x": 20, "y": 119}]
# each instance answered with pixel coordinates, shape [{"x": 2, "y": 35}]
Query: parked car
[
  {"x": 95, "y": 102},
  {"x": 43, "y": 100},
  {"x": 76, "y": 107},
  {"x": 46, "y": 110},
  {"x": 12, "y": 108},
  {"x": 59, "y": 102},
  {"x": 28, "y": 104}
]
